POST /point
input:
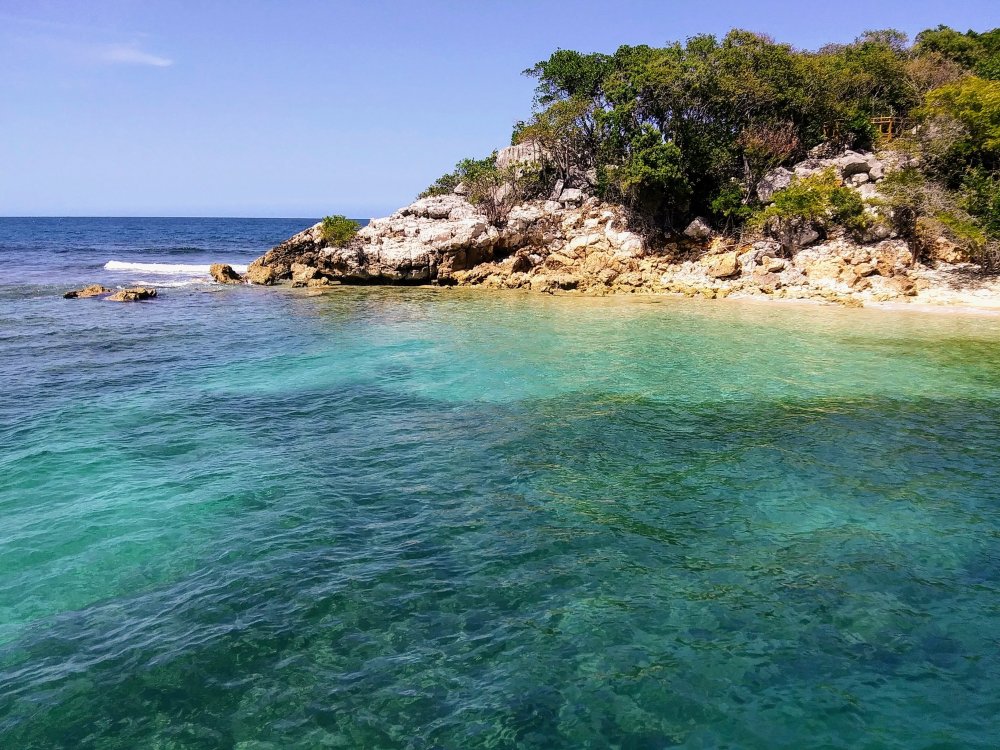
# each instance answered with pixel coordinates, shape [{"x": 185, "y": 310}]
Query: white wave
[
  {"x": 167, "y": 284},
  {"x": 165, "y": 269}
]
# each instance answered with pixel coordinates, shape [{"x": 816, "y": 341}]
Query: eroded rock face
[
  {"x": 856, "y": 170},
  {"x": 441, "y": 238},
  {"x": 224, "y": 274},
  {"x": 133, "y": 294},
  {"x": 94, "y": 290},
  {"x": 259, "y": 273},
  {"x": 557, "y": 246}
]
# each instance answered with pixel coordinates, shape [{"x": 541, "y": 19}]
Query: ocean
[{"x": 377, "y": 517}]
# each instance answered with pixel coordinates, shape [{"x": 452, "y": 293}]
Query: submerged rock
[
  {"x": 225, "y": 274},
  {"x": 133, "y": 294},
  {"x": 94, "y": 290}
]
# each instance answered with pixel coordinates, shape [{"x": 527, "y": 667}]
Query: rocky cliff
[{"x": 579, "y": 243}]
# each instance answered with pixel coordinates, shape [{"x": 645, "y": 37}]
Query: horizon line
[{"x": 162, "y": 216}]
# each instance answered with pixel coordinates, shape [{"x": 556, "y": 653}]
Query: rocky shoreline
[{"x": 578, "y": 244}]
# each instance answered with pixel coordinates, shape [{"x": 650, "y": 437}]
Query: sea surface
[{"x": 238, "y": 517}]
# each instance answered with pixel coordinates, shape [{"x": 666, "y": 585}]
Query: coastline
[
  {"x": 989, "y": 308},
  {"x": 574, "y": 242}
]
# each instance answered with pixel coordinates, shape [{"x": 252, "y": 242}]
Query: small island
[{"x": 859, "y": 173}]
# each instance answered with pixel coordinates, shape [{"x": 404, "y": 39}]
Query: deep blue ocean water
[{"x": 238, "y": 517}]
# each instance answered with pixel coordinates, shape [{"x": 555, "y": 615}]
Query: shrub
[
  {"x": 338, "y": 230},
  {"x": 975, "y": 104},
  {"x": 924, "y": 210},
  {"x": 464, "y": 171},
  {"x": 815, "y": 202},
  {"x": 496, "y": 191},
  {"x": 981, "y": 198}
]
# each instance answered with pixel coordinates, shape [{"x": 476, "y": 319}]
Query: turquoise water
[{"x": 415, "y": 518}]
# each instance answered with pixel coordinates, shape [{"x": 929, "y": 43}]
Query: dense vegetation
[
  {"x": 689, "y": 129},
  {"x": 338, "y": 230}
]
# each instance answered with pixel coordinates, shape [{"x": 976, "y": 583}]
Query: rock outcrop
[
  {"x": 861, "y": 171},
  {"x": 94, "y": 290},
  {"x": 133, "y": 294},
  {"x": 224, "y": 274},
  {"x": 579, "y": 243}
]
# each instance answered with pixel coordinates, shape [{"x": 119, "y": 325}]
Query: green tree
[{"x": 974, "y": 103}]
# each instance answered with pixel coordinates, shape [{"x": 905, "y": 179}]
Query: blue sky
[{"x": 270, "y": 108}]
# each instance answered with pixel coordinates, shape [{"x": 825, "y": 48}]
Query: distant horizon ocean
[{"x": 379, "y": 517}]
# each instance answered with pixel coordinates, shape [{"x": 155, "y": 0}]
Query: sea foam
[{"x": 165, "y": 269}]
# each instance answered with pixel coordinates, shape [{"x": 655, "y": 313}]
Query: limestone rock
[
  {"x": 902, "y": 285},
  {"x": 529, "y": 152},
  {"x": 773, "y": 265},
  {"x": 807, "y": 237},
  {"x": 224, "y": 274},
  {"x": 302, "y": 274},
  {"x": 571, "y": 196},
  {"x": 947, "y": 251},
  {"x": 698, "y": 230},
  {"x": 772, "y": 182},
  {"x": 852, "y": 163},
  {"x": 261, "y": 274},
  {"x": 724, "y": 266},
  {"x": 94, "y": 290},
  {"x": 133, "y": 294}
]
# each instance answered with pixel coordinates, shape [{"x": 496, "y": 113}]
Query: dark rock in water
[
  {"x": 225, "y": 274},
  {"x": 94, "y": 290},
  {"x": 133, "y": 294}
]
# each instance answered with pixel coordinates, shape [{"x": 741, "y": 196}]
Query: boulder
[
  {"x": 773, "y": 265},
  {"x": 902, "y": 285},
  {"x": 807, "y": 237},
  {"x": 94, "y": 290},
  {"x": 224, "y": 274},
  {"x": 724, "y": 266},
  {"x": 529, "y": 152},
  {"x": 303, "y": 274},
  {"x": 260, "y": 274},
  {"x": 852, "y": 163},
  {"x": 767, "y": 283},
  {"x": 133, "y": 294},
  {"x": 571, "y": 197},
  {"x": 772, "y": 182},
  {"x": 698, "y": 230}
]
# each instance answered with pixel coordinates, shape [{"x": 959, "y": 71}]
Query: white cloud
[{"x": 130, "y": 54}]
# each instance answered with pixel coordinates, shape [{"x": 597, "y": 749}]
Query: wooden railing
[
  {"x": 887, "y": 127},
  {"x": 890, "y": 127}
]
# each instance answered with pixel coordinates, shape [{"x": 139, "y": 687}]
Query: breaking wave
[{"x": 165, "y": 269}]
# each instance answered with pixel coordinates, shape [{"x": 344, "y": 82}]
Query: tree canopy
[{"x": 689, "y": 128}]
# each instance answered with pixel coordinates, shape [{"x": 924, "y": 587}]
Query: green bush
[
  {"x": 815, "y": 202},
  {"x": 465, "y": 170},
  {"x": 338, "y": 230},
  {"x": 981, "y": 198},
  {"x": 974, "y": 102}
]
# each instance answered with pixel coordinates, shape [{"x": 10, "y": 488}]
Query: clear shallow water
[{"x": 386, "y": 518}]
